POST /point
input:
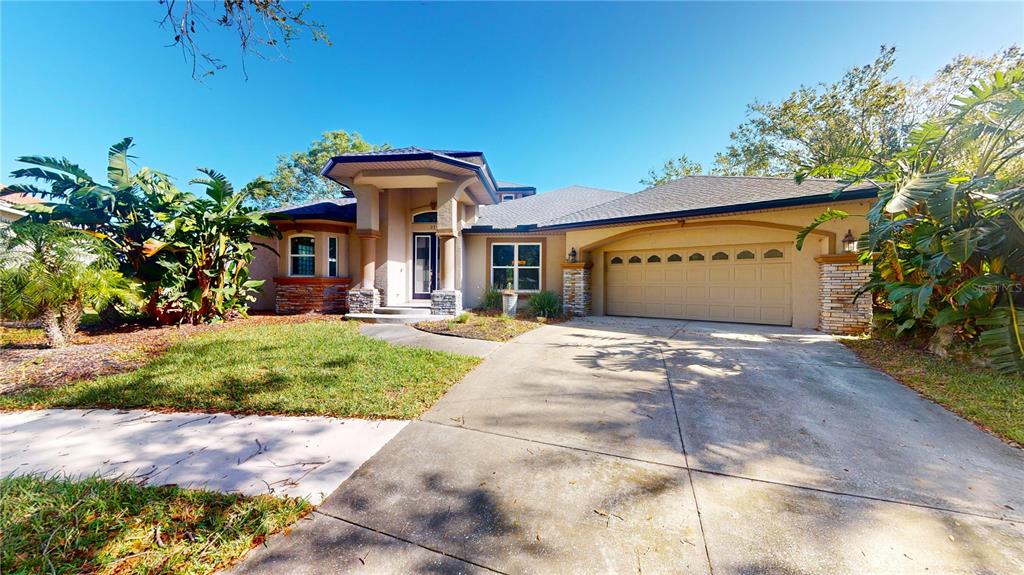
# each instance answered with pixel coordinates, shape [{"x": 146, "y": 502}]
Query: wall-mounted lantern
[
  {"x": 572, "y": 255},
  {"x": 849, "y": 242}
]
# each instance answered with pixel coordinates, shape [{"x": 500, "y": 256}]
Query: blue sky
[{"x": 554, "y": 94}]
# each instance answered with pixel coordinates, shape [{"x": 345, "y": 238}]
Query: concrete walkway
[
  {"x": 294, "y": 456},
  {"x": 399, "y": 334},
  {"x": 612, "y": 445}
]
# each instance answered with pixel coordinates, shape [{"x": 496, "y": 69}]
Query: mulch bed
[
  {"x": 489, "y": 326},
  {"x": 99, "y": 351}
]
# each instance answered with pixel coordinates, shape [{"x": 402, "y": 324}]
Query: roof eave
[{"x": 483, "y": 172}]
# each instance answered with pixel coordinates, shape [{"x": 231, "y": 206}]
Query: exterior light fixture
[
  {"x": 849, "y": 242},
  {"x": 572, "y": 255}
]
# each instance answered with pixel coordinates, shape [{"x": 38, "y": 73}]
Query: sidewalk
[{"x": 292, "y": 456}]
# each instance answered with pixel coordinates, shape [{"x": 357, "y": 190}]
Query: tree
[
  {"x": 259, "y": 24},
  {"x": 50, "y": 272},
  {"x": 946, "y": 236},
  {"x": 867, "y": 109},
  {"x": 121, "y": 212},
  {"x": 297, "y": 176},
  {"x": 189, "y": 254},
  {"x": 672, "y": 170},
  {"x": 208, "y": 249},
  {"x": 815, "y": 124}
]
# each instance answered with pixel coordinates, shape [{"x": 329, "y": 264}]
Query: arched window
[
  {"x": 616, "y": 260},
  {"x": 745, "y": 255},
  {"x": 302, "y": 256},
  {"x": 719, "y": 256},
  {"x": 773, "y": 254},
  {"x": 634, "y": 259},
  {"x": 675, "y": 258},
  {"x": 425, "y": 218},
  {"x": 696, "y": 257},
  {"x": 654, "y": 260}
]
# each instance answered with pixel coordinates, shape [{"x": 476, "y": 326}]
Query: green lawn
[
  {"x": 313, "y": 368},
  {"x": 55, "y": 525},
  {"x": 990, "y": 399}
]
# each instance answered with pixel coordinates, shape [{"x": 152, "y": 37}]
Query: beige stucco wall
[
  {"x": 705, "y": 232},
  {"x": 476, "y": 274},
  {"x": 264, "y": 267}
]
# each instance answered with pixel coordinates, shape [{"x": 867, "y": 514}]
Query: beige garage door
[{"x": 746, "y": 283}]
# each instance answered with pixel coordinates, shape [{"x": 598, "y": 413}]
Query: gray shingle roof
[
  {"x": 412, "y": 150},
  {"x": 533, "y": 210},
  {"x": 695, "y": 193}
]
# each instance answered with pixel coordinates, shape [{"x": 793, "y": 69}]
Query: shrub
[
  {"x": 491, "y": 299},
  {"x": 462, "y": 317},
  {"x": 545, "y": 304}
]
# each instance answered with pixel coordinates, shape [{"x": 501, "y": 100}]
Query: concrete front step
[
  {"x": 396, "y": 318},
  {"x": 402, "y": 310}
]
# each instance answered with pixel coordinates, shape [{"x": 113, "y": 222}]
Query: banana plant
[
  {"x": 946, "y": 234},
  {"x": 209, "y": 243},
  {"x": 122, "y": 212}
]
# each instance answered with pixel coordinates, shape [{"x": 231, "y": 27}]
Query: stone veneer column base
[
  {"x": 446, "y": 302},
  {"x": 363, "y": 300},
  {"x": 576, "y": 292},
  {"x": 839, "y": 278}
]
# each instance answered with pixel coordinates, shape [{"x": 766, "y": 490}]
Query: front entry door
[{"x": 424, "y": 265}]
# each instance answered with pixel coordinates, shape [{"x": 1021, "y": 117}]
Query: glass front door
[{"x": 424, "y": 264}]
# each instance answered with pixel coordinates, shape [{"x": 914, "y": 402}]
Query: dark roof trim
[
  {"x": 858, "y": 194},
  {"x": 482, "y": 172},
  {"x": 517, "y": 189}
]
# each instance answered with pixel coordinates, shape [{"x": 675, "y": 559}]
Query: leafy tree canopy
[
  {"x": 297, "y": 176},
  {"x": 672, "y": 170},
  {"x": 867, "y": 110}
]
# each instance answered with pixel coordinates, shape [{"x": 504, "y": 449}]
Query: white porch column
[
  {"x": 368, "y": 254},
  {"x": 447, "y": 262},
  {"x": 366, "y": 298},
  {"x": 448, "y": 299}
]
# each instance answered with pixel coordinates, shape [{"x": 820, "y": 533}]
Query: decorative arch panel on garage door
[{"x": 741, "y": 283}]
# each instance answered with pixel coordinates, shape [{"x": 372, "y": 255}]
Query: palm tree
[{"x": 50, "y": 272}]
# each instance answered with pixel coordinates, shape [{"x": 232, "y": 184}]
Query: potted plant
[{"x": 509, "y": 300}]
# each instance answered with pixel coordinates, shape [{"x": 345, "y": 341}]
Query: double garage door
[{"x": 744, "y": 283}]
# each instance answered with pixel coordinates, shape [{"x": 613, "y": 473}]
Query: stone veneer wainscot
[
  {"x": 839, "y": 278},
  {"x": 311, "y": 295}
]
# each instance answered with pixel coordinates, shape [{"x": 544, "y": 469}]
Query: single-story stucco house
[{"x": 434, "y": 228}]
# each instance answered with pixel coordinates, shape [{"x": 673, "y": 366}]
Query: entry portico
[{"x": 411, "y": 207}]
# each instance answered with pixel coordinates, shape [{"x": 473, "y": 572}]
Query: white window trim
[
  {"x": 516, "y": 267},
  {"x": 337, "y": 249},
  {"x": 507, "y": 197},
  {"x": 290, "y": 255}
]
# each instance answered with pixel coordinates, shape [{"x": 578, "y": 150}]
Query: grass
[
  {"x": 56, "y": 525},
  {"x": 313, "y": 368},
  {"x": 492, "y": 327},
  {"x": 992, "y": 400},
  {"x": 19, "y": 335}
]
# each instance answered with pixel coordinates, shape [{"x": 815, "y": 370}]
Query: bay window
[
  {"x": 517, "y": 265},
  {"x": 302, "y": 256}
]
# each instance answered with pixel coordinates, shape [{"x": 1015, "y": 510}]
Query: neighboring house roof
[
  {"x": 338, "y": 210},
  {"x": 8, "y": 213},
  {"x": 700, "y": 195},
  {"x": 16, "y": 199},
  {"x": 532, "y": 210}
]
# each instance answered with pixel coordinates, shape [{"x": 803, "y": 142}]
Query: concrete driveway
[{"x": 613, "y": 445}]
